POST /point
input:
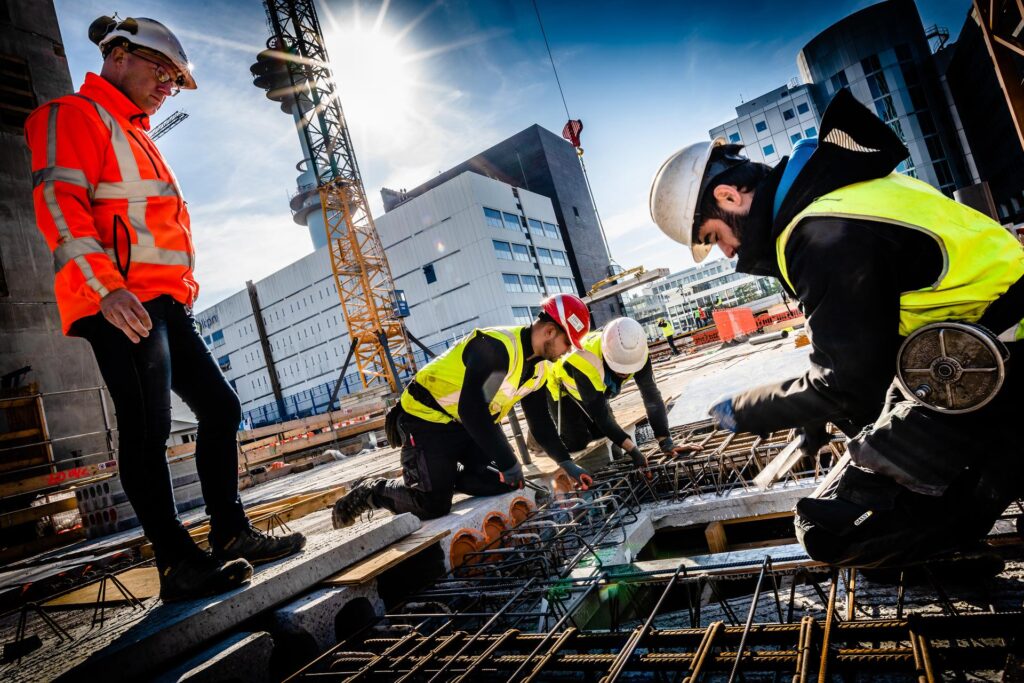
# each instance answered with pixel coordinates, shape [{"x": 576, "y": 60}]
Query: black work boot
[
  {"x": 353, "y": 504},
  {"x": 255, "y": 545},
  {"x": 201, "y": 575}
]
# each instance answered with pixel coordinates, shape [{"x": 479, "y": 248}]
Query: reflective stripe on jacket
[
  {"x": 589, "y": 360},
  {"x": 96, "y": 172},
  {"x": 980, "y": 258},
  {"x": 443, "y": 378}
]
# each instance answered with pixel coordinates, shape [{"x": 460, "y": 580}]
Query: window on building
[
  {"x": 536, "y": 227},
  {"x": 217, "y": 338},
  {"x": 551, "y": 284},
  {"x": 534, "y": 311},
  {"x": 224, "y": 362},
  {"x": 575, "y": 212},
  {"x": 811, "y": 132},
  {"x": 760, "y": 126},
  {"x": 943, "y": 175},
  {"x": 802, "y": 108},
  {"x": 503, "y": 250},
  {"x": 551, "y": 230},
  {"x": 530, "y": 283},
  {"x": 429, "y": 274},
  {"x": 521, "y": 315},
  {"x": 568, "y": 286},
  {"x": 903, "y": 53},
  {"x": 558, "y": 257},
  {"x": 768, "y": 150},
  {"x": 795, "y": 138},
  {"x": 520, "y": 252},
  {"x": 512, "y": 222},
  {"x": 788, "y": 114},
  {"x": 544, "y": 255},
  {"x": 839, "y": 81},
  {"x": 870, "y": 64},
  {"x": 917, "y": 98},
  {"x": 934, "y": 145},
  {"x": 734, "y": 138},
  {"x": 493, "y": 218},
  {"x": 17, "y": 99},
  {"x": 511, "y": 281}
]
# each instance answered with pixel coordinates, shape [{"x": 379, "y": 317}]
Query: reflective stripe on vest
[
  {"x": 443, "y": 378},
  {"x": 47, "y": 177},
  {"x": 981, "y": 260},
  {"x": 589, "y": 359}
]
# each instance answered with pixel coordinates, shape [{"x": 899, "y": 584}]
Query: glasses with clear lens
[{"x": 163, "y": 74}]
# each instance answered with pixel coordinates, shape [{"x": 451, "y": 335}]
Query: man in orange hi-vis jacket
[{"x": 112, "y": 212}]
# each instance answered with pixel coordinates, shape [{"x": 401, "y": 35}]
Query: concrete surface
[
  {"x": 313, "y": 615},
  {"x": 241, "y": 657}
]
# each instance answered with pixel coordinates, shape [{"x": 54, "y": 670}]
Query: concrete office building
[
  {"x": 470, "y": 252},
  {"x": 32, "y": 347},
  {"x": 883, "y": 55},
  {"x": 539, "y": 161},
  {"x": 770, "y": 124}
]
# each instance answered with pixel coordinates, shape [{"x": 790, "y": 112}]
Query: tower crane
[
  {"x": 165, "y": 126},
  {"x": 295, "y": 71}
]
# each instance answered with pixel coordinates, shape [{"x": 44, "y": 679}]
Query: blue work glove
[
  {"x": 513, "y": 477},
  {"x": 579, "y": 475},
  {"x": 723, "y": 415}
]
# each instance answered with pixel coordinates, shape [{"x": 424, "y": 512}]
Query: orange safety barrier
[{"x": 734, "y": 322}]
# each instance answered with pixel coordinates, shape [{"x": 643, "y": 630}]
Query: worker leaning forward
[
  {"x": 114, "y": 217},
  {"x": 448, "y": 420},
  {"x": 873, "y": 256},
  {"x": 582, "y": 383}
]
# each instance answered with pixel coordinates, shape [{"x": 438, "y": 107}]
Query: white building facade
[
  {"x": 770, "y": 124},
  {"x": 472, "y": 252}
]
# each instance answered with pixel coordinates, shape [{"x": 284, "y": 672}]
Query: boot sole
[
  {"x": 264, "y": 560},
  {"x": 230, "y": 582}
]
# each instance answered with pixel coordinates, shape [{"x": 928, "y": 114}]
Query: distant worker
[
  {"x": 582, "y": 383},
  {"x": 448, "y": 421},
  {"x": 873, "y": 256},
  {"x": 113, "y": 215},
  {"x": 668, "y": 330}
]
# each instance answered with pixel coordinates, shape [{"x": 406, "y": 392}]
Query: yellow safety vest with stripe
[
  {"x": 589, "y": 360},
  {"x": 981, "y": 260},
  {"x": 443, "y": 378},
  {"x": 668, "y": 330}
]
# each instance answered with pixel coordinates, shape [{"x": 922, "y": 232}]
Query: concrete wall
[{"x": 28, "y": 312}]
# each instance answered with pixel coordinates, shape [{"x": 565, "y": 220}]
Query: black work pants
[
  {"x": 932, "y": 482},
  {"x": 140, "y": 378},
  {"x": 575, "y": 426},
  {"x": 438, "y": 460},
  {"x": 672, "y": 345}
]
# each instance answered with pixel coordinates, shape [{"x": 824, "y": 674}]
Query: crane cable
[{"x": 579, "y": 150}]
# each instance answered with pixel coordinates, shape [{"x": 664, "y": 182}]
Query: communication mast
[{"x": 295, "y": 71}]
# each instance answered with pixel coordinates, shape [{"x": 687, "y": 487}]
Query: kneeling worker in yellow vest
[
  {"x": 874, "y": 257},
  {"x": 582, "y": 383},
  {"x": 448, "y": 421}
]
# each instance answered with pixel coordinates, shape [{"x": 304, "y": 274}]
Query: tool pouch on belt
[
  {"x": 415, "y": 473},
  {"x": 393, "y": 427}
]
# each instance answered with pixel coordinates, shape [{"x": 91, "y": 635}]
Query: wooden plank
[
  {"x": 20, "y": 434},
  {"x": 375, "y": 565},
  {"x": 715, "y": 535},
  {"x": 279, "y": 451},
  {"x": 366, "y": 404},
  {"x": 181, "y": 449},
  {"x": 36, "y": 513},
  {"x": 142, "y": 582},
  {"x": 59, "y": 479}
]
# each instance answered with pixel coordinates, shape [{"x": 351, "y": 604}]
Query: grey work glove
[
  {"x": 669, "y": 447},
  {"x": 513, "y": 477},
  {"x": 579, "y": 475},
  {"x": 640, "y": 461}
]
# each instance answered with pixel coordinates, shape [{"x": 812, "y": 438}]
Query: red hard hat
[{"x": 570, "y": 313}]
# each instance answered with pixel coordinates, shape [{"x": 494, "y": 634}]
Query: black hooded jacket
[{"x": 848, "y": 275}]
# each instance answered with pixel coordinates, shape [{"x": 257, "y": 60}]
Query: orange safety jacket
[{"x": 100, "y": 182}]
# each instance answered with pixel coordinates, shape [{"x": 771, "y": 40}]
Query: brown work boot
[{"x": 200, "y": 576}]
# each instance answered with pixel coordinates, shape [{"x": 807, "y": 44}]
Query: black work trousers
[
  {"x": 931, "y": 482},
  {"x": 438, "y": 460},
  {"x": 140, "y": 378},
  {"x": 575, "y": 426}
]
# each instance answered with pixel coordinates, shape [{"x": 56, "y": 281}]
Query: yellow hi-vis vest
[
  {"x": 589, "y": 359},
  {"x": 443, "y": 378},
  {"x": 981, "y": 260},
  {"x": 669, "y": 329}
]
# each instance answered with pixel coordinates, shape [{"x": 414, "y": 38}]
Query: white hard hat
[
  {"x": 624, "y": 345},
  {"x": 677, "y": 188},
  {"x": 147, "y": 33}
]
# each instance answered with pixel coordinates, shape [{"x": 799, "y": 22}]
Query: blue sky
[{"x": 427, "y": 84}]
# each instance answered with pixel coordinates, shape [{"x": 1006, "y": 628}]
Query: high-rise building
[
  {"x": 32, "y": 346},
  {"x": 882, "y": 54},
  {"x": 770, "y": 124},
  {"x": 539, "y": 161},
  {"x": 470, "y": 252}
]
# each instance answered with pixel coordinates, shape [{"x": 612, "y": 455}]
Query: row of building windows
[
  {"x": 517, "y": 284},
  {"x": 510, "y": 221},
  {"x": 506, "y": 251},
  {"x": 794, "y": 138},
  {"x": 524, "y": 315}
]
